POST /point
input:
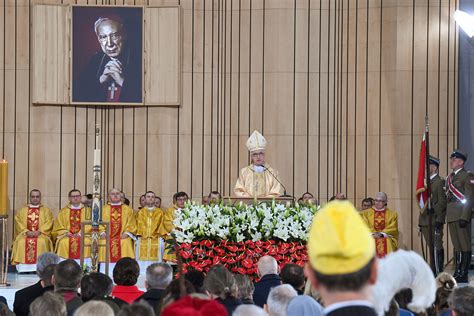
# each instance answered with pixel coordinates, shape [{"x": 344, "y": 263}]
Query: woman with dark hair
[
  {"x": 220, "y": 285},
  {"x": 126, "y": 272}
]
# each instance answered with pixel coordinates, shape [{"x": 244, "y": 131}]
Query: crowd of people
[{"x": 342, "y": 277}]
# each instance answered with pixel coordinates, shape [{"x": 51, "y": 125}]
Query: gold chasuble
[
  {"x": 67, "y": 232},
  {"x": 32, "y": 218},
  {"x": 384, "y": 222},
  {"x": 252, "y": 183},
  {"x": 165, "y": 229},
  {"x": 121, "y": 220},
  {"x": 148, "y": 224}
]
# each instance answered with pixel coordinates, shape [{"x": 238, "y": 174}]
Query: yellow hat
[
  {"x": 339, "y": 240},
  {"x": 256, "y": 142}
]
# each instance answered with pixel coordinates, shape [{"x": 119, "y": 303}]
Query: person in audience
[
  {"x": 95, "y": 308},
  {"x": 258, "y": 179},
  {"x": 44, "y": 269},
  {"x": 445, "y": 284},
  {"x": 342, "y": 260},
  {"x": 196, "y": 278},
  {"x": 312, "y": 292},
  {"x": 220, "y": 285},
  {"x": 66, "y": 280},
  {"x": 67, "y": 228},
  {"x": 33, "y": 225},
  {"x": 461, "y": 301},
  {"x": 123, "y": 226},
  {"x": 278, "y": 300},
  {"x": 245, "y": 288},
  {"x": 303, "y": 305},
  {"x": 50, "y": 304},
  {"x": 293, "y": 275},
  {"x": 158, "y": 277},
  {"x": 308, "y": 199},
  {"x": 215, "y": 197},
  {"x": 383, "y": 224},
  {"x": 125, "y": 274},
  {"x": 367, "y": 203},
  {"x": 205, "y": 200},
  {"x": 157, "y": 202},
  {"x": 137, "y": 309},
  {"x": 267, "y": 269},
  {"x": 412, "y": 273},
  {"x": 150, "y": 247},
  {"x": 173, "y": 292},
  {"x": 249, "y": 310},
  {"x": 189, "y": 305},
  {"x": 4, "y": 310},
  {"x": 98, "y": 286}
]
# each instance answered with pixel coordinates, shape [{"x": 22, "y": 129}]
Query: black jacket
[
  {"x": 152, "y": 297},
  {"x": 26, "y": 296},
  {"x": 263, "y": 287}
]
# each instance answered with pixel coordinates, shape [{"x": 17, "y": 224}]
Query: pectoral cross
[{"x": 112, "y": 88}]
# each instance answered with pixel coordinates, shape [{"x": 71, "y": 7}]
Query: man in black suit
[
  {"x": 342, "y": 260},
  {"x": 267, "y": 268},
  {"x": 45, "y": 268},
  {"x": 158, "y": 277}
]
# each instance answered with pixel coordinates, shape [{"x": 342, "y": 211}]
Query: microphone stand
[{"x": 278, "y": 180}]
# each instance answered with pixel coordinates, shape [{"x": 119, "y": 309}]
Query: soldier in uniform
[
  {"x": 438, "y": 211},
  {"x": 459, "y": 193}
]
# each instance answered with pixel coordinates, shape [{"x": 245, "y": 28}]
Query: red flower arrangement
[{"x": 239, "y": 257}]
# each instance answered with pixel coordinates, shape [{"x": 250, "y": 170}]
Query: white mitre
[{"x": 256, "y": 142}]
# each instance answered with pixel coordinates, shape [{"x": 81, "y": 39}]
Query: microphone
[{"x": 276, "y": 178}]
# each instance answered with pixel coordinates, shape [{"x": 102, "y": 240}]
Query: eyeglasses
[
  {"x": 379, "y": 201},
  {"x": 114, "y": 36},
  {"x": 257, "y": 154},
  {"x": 73, "y": 196}
]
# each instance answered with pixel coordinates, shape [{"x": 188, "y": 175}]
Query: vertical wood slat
[{"x": 339, "y": 88}]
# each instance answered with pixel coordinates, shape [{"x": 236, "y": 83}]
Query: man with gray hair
[
  {"x": 50, "y": 303},
  {"x": 279, "y": 298},
  {"x": 44, "y": 269},
  {"x": 267, "y": 268},
  {"x": 158, "y": 277},
  {"x": 249, "y": 310},
  {"x": 461, "y": 301}
]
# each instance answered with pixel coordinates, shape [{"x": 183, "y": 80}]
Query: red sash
[
  {"x": 31, "y": 243},
  {"x": 115, "y": 232},
  {"x": 75, "y": 241},
  {"x": 450, "y": 187},
  {"x": 381, "y": 242}
]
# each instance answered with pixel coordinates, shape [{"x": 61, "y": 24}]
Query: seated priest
[
  {"x": 122, "y": 226},
  {"x": 258, "y": 179},
  {"x": 33, "y": 224},
  {"x": 67, "y": 228},
  {"x": 383, "y": 224},
  {"x": 148, "y": 245},
  {"x": 167, "y": 226}
]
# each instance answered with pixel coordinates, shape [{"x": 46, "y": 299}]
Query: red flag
[{"x": 421, "y": 185}]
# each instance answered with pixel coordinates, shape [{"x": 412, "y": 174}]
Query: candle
[{"x": 3, "y": 187}]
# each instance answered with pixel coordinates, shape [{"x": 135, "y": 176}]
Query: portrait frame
[{"x": 90, "y": 56}]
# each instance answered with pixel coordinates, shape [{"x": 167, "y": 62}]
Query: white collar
[
  {"x": 34, "y": 206},
  {"x": 150, "y": 208},
  {"x": 456, "y": 171},
  {"x": 433, "y": 176},
  {"x": 381, "y": 210},
  {"x": 116, "y": 204},
  {"x": 72, "y": 207},
  {"x": 343, "y": 304}
]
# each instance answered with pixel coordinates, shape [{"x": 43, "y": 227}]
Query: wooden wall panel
[{"x": 339, "y": 88}]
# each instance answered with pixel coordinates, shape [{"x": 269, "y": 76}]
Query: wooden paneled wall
[{"x": 339, "y": 88}]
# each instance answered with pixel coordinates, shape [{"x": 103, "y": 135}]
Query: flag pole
[{"x": 428, "y": 189}]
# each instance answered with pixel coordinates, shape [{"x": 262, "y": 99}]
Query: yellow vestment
[
  {"x": 69, "y": 221},
  {"x": 386, "y": 222},
  {"x": 121, "y": 220},
  {"x": 27, "y": 249},
  {"x": 258, "y": 184},
  {"x": 148, "y": 224}
]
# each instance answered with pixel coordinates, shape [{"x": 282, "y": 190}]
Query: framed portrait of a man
[{"x": 107, "y": 55}]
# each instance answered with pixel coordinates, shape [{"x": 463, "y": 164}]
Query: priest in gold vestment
[
  {"x": 122, "y": 225},
  {"x": 167, "y": 226},
  {"x": 383, "y": 223},
  {"x": 67, "y": 228},
  {"x": 258, "y": 179},
  {"x": 33, "y": 224},
  {"x": 149, "y": 220}
]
